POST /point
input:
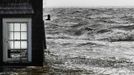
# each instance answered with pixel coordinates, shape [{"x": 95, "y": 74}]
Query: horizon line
[{"x": 89, "y": 7}]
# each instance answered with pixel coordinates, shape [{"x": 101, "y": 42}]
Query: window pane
[
  {"x": 24, "y": 35},
  {"x": 15, "y": 55},
  {"x": 10, "y": 25},
  {"x": 24, "y": 53},
  {"x": 23, "y": 26},
  {"x": 16, "y": 35},
  {"x": 11, "y": 44},
  {"x": 11, "y": 35},
  {"x": 17, "y": 44},
  {"x": 23, "y": 44},
  {"x": 16, "y": 26}
]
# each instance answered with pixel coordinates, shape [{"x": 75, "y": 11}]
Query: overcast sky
[{"x": 88, "y": 3}]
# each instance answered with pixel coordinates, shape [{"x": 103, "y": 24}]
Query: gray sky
[{"x": 88, "y": 3}]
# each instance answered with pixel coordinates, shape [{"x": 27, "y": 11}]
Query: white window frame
[{"x": 5, "y": 36}]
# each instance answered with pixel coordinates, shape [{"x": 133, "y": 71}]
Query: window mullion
[
  {"x": 20, "y": 43},
  {"x": 13, "y": 37},
  {"x": 20, "y": 36}
]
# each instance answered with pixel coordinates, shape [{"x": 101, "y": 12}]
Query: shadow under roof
[{"x": 16, "y": 8}]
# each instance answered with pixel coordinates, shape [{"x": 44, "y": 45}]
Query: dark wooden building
[{"x": 22, "y": 37}]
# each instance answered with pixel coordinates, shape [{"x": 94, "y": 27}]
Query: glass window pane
[
  {"x": 11, "y": 35},
  {"x": 24, "y": 35},
  {"x": 24, "y": 53},
  {"x": 16, "y": 26},
  {"x": 10, "y": 25},
  {"x": 23, "y": 44},
  {"x": 16, "y": 35},
  {"x": 11, "y": 45},
  {"x": 23, "y": 26},
  {"x": 16, "y": 44},
  {"x": 15, "y": 55}
]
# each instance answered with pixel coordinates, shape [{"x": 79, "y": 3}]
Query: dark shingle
[
  {"x": 14, "y": 1},
  {"x": 16, "y": 8}
]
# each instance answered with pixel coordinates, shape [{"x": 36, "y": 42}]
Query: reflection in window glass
[
  {"x": 17, "y": 45},
  {"x": 23, "y": 44},
  {"x": 24, "y": 53},
  {"x": 11, "y": 35},
  {"x": 23, "y": 35},
  {"x": 15, "y": 55},
  {"x": 11, "y": 44},
  {"x": 23, "y": 26},
  {"x": 10, "y": 27},
  {"x": 16, "y": 26},
  {"x": 17, "y": 35}
]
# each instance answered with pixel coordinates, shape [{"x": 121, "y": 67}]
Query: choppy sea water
[
  {"x": 87, "y": 41},
  {"x": 92, "y": 39}
]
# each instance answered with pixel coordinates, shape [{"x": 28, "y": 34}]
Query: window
[{"x": 17, "y": 43}]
